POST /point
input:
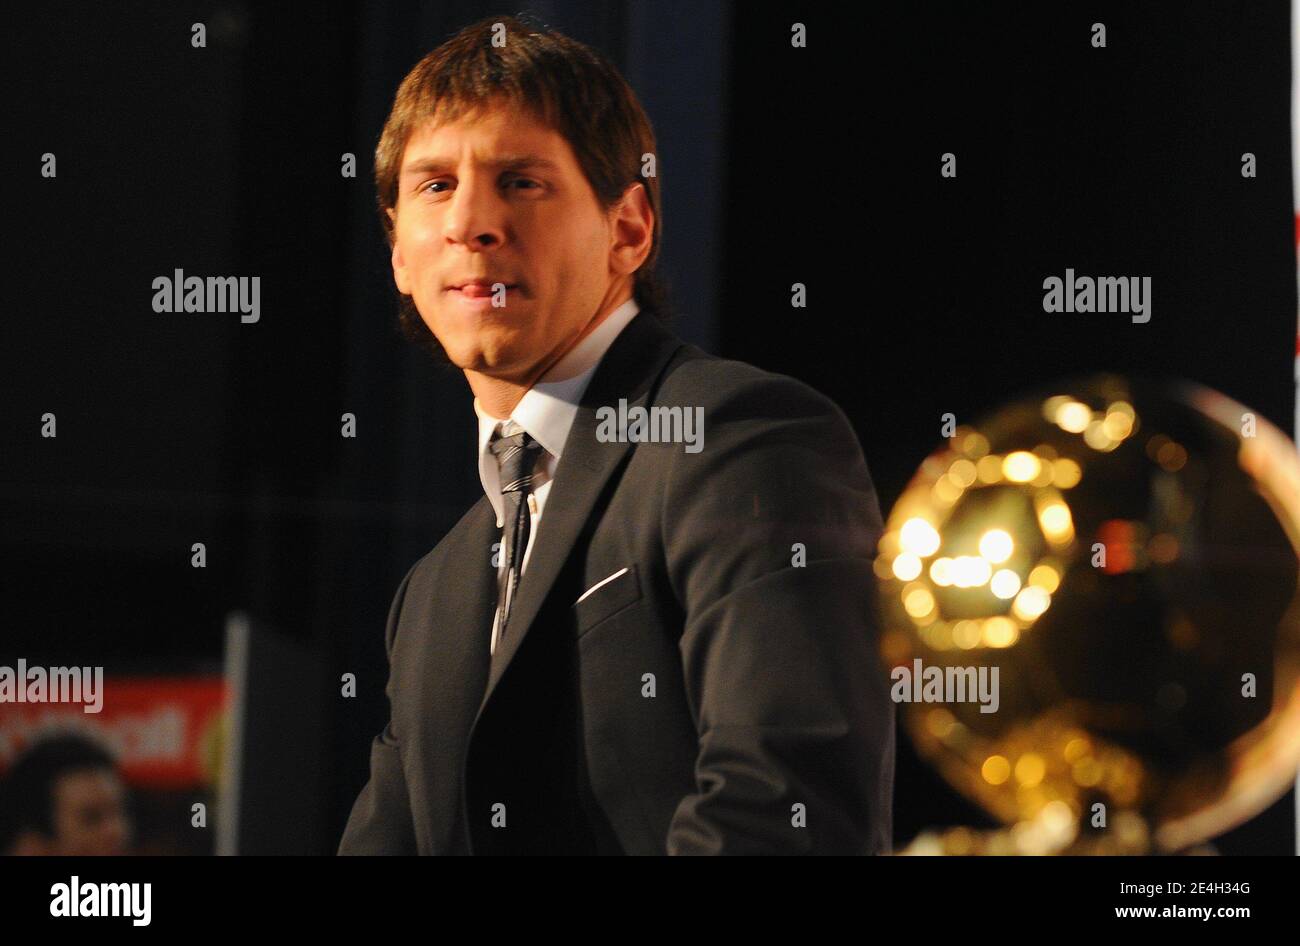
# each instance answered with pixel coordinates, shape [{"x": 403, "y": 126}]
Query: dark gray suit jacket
[{"x": 718, "y": 697}]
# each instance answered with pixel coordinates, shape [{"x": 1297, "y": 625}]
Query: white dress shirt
[{"x": 546, "y": 412}]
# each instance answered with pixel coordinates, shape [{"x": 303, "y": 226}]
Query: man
[
  {"x": 627, "y": 645},
  {"x": 63, "y": 796}
]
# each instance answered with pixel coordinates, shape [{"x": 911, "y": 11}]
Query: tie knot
[{"x": 516, "y": 452}]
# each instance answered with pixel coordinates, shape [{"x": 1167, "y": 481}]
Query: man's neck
[{"x": 499, "y": 396}]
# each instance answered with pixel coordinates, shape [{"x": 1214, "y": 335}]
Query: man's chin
[
  {"x": 506, "y": 363},
  {"x": 483, "y": 351}
]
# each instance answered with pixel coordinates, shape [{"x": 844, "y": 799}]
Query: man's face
[
  {"x": 90, "y": 813},
  {"x": 499, "y": 197}
]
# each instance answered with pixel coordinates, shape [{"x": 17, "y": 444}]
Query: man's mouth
[{"x": 476, "y": 290}]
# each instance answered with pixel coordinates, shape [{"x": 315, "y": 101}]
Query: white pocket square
[{"x": 600, "y": 584}]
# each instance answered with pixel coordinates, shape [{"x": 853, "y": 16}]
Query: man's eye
[{"x": 529, "y": 185}]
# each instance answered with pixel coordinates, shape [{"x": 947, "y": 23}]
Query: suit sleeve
[
  {"x": 779, "y": 652},
  {"x": 381, "y": 822}
]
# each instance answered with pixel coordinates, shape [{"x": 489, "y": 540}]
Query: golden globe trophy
[{"x": 1092, "y": 622}]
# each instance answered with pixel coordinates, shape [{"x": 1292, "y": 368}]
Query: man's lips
[{"x": 478, "y": 290}]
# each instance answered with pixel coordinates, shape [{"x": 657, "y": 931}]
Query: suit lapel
[{"x": 629, "y": 370}]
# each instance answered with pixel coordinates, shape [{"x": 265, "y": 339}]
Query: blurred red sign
[{"x": 165, "y": 731}]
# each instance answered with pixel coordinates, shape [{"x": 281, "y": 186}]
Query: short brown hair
[{"x": 564, "y": 84}]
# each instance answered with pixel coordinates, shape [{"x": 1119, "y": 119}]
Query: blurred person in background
[{"x": 64, "y": 796}]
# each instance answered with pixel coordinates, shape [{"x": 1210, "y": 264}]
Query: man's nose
[
  {"x": 477, "y": 214},
  {"x": 117, "y": 831}
]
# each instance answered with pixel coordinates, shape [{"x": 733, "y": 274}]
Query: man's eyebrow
[{"x": 511, "y": 162}]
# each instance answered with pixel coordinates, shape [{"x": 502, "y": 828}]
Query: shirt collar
[{"x": 548, "y": 408}]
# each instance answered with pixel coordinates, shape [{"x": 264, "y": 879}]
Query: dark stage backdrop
[{"x": 779, "y": 166}]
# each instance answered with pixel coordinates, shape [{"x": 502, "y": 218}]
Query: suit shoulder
[
  {"x": 475, "y": 521},
  {"x": 772, "y": 456},
  {"x": 727, "y": 387},
  {"x": 422, "y": 578}
]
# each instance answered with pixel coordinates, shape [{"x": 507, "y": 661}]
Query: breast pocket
[{"x": 606, "y": 598}]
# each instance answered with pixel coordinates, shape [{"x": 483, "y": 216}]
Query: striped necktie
[{"x": 516, "y": 454}]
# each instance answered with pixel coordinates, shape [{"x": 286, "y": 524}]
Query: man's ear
[
  {"x": 399, "y": 262},
  {"x": 634, "y": 230}
]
